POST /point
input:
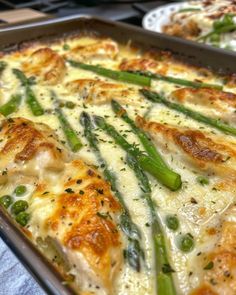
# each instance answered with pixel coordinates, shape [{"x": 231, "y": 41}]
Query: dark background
[{"x": 122, "y": 10}]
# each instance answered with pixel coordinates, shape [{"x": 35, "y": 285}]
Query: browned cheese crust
[
  {"x": 47, "y": 64},
  {"x": 200, "y": 150},
  {"x": 100, "y": 92}
]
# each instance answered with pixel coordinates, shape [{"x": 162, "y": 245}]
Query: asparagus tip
[{"x": 99, "y": 121}]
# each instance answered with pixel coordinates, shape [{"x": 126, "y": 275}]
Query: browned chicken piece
[
  {"x": 80, "y": 219},
  {"x": 188, "y": 30},
  {"x": 102, "y": 49},
  {"x": 220, "y": 279},
  {"x": 205, "y": 96},
  {"x": 99, "y": 92},
  {"x": 143, "y": 64},
  {"x": 167, "y": 62},
  {"x": 212, "y": 99},
  {"x": 46, "y": 64},
  {"x": 163, "y": 64},
  {"x": 139, "y": 64},
  {"x": 226, "y": 8},
  {"x": 26, "y": 146},
  {"x": 72, "y": 206},
  {"x": 231, "y": 81},
  {"x": 194, "y": 147}
]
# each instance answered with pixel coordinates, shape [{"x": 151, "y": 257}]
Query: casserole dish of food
[{"x": 117, "y": 159}]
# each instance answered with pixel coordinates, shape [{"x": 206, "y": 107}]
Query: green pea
[
  {"x": 215, "y": 38},
  {"x": 186, "y": 243},
  {"x": 19, "y": 206},
  {"x": 22, "y": 218},
  {"x": 66, "y": 47},
  {"x": 202, "y": 180},
  {"x": 70, "y": 105},
  {"x": 20, "y": 190},
  {"x": 172, "y": 222},
  {"x": 6, "y": 201}
]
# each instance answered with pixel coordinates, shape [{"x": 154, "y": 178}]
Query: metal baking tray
[{"x": 10, "y": 39}]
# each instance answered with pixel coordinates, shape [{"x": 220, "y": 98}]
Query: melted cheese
[{"x": 195, "y": 217}]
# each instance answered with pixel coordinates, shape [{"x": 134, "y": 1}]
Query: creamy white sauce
[{"x": 130, "y": 282}]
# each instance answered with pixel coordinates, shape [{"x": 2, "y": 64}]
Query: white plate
[{"x": 155, "y": 19}]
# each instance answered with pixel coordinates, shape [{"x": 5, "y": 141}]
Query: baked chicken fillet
[{"x": 72, "y": 208}]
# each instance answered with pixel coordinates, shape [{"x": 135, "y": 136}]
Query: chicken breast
[
  {"x": 70, "y": 205},
  {"x": 194, "y": 147},
  {"x": 216, "y": 103},
  {"x": 46, "y": 64},
  {"x": 80, "y": 216},
  {"x": 23, "y": 143},
  {"x": 219, "y": 265},
  {"x": 139, "y": 64},
  {"x": 164, "y": 64},
  {"x": 100, "y": 92},
  {"x": 106, "y": 48}
]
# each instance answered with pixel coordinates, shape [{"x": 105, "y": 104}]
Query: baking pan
[
  {"x": 10, "y": 39},
  {"x": 191, "y": 52}
]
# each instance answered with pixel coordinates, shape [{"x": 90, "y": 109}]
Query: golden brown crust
[
  {"x": 47, "y": 64},
  {"x": 189, "y": 30},
  {"x": 197, "y": 149},
  {"x": 161, "y": 62},
  {"x": 100, "y": 92},
  {"x": 204, "y": 290},
  {"x": 106, "y": 48},
  {"x": 144, "y": 64},
  {"x": 231, "y": 81},
  {"x": 89, "y": 207},
  {"x": 192, "y": 142},
  {"x": 22, "y": 141},
  {"x": 83, "y": 215},
  {"x": 205, "y": 96},
  {"x": 138, "y": 64}
]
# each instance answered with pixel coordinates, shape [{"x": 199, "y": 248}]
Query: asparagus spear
[
  {"x": 31, "y": 99},
  {"x": 224, "y": 25},
  {"x": 164, "y": 280},
  {"x": 155, "y": 97},
  {"x": 3, "y": 65},
  {"x": 144, "y": 138},
  {"x": 21, "y": 76},
  {"x": 167, "y": 177},
  {"x": 11, "y": 106},
  {"x": 179, "y": 81},
  {"x": 219, "y": 31},
  {"x": 139, "y": 77},
  {"x": 71, "y": 136},
  {"x": 33, "y": 103},
  {"x": 165, "y": 284},
  {"x": 189, "y": 9},
  {"x": 116, "y": 75},
  {"x": 134, "y": 252}
]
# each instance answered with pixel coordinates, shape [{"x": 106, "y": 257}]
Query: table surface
[{"x": 14, "y": 278}]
